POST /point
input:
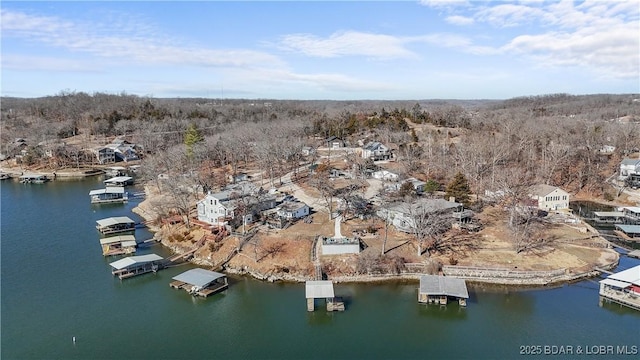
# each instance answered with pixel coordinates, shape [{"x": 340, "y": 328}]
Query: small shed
[
  {"x": 136, "y": 265},
  {"x": 200, "y": 282},
  {"x": 318, "y": 289},
  {"x": 437, "y": 289}
]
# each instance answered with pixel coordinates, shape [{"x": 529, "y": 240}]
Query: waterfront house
[
  {"x": 115, "y": 225},
  {"x": 200, "y": 282},
  {"x": 110, "y": 194},
  {"x": 105, "y": 155},
  {"x": 549, "y": 198},
  {"x": 136, "y": 265},
  {"x": 221, "y": 207},
  {"x": 292, "y": 210},
  {"x": 375, "y": 151},
  {"x": 402, "y": 214}
]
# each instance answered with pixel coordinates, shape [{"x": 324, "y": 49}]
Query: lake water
[{"x": 56, "y": 285}]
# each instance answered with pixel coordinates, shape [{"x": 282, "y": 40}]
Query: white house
[
  {"x": 549, "y": 198},
  {"x": 308, "y": 150},
  {"x": 629, "y": 167},
  {"x": 385, "y": 175},
  {"x": 213, "y": 210},
  {"x": 293, "y": 210},
  {"x": 376, "y": 151},
  {"x": 218, "y": 208}
]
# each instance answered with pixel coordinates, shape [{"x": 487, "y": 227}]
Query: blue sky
[{"x": 344, "y": 50}]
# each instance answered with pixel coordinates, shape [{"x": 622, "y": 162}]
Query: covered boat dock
[
  {"x": 119, "y": 181},
  {"x": 114, "y": 225},
  {"x": 110, "y": 194},
  {"x": 33, "y": 179},
  {"x": 609, "y": 217},
  {"x": 200, "y": 282},
  {"x": 629, "y": 232},
  {"x": 136, "y": 265},
  {"x": 438, "y": 289},
  {"x": 118, "y": 245},
  {"x": 318, "y": 289},
  {"x": 622, "y": 288}
]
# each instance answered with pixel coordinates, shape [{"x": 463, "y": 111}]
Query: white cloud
[
  {"x": 599, "y": 35},
  {"x": 459, "y": 20},
  {"x": 130, "y": 45},
  {"x": 347, "y": 43},
  {"x": 44, "y": 63}
]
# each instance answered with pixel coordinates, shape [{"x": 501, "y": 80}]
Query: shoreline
[{"x": 518, "y": 279}]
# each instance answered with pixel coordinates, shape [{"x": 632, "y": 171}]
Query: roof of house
[
  {"x": 199, "y": 277},
  {"x": 543, "y": 189},
  {"x": 429, "y": 206},
  {"x": 240, "y": 189},
  {"x": 133, "y": 260},
  {"x": 374, "y": 145},
  {"x": 443, "y": 285},
  {"x": 292, "y": 206},
  {"x": 114, "y": 221},
  {"x": 317, "y": 289},
  {"x": 416, "y": 182}
]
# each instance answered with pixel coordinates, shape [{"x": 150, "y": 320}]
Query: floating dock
[
  {"x": 438, "y": 289},
  {"x": 136, "y": 265},
  {"x": 114, "y": 225},
  {"x": 200, "y": 282},
  {"x": 110, "y": 194},
  {"x": 622, "y": 288}
]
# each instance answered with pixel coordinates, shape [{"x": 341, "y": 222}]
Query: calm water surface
[{"x": 57, "y": 285}]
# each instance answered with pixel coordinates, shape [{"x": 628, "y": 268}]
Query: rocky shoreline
[{"x": 480, "y": 276}]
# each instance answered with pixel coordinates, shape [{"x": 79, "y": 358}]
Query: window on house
[{"x": 211, "y": 202}]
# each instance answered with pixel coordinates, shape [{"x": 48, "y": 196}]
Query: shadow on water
[{"x": 451, "y": 311}]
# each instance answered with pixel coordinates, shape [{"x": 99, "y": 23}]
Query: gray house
[
  {"x": 402, "y": 214},
  {"x": 375, "y": 150}
]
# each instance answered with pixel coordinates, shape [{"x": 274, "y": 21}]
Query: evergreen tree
[
  {"x": 459, "y": 189},
  {"x": 191, "y": 137}
]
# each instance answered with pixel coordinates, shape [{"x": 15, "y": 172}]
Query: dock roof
[
  {"x": 198, "y": 277},
  {"x": 114, "y": 221},
  {"x": 107, "y": 190},
  {"x": 631, "y": 276},
  {"x": 629, "y": 229},
  {"x": 317, "y": 289},
  {"x": 608, "y": 213},
  {"x": 117, "y": 239},
  {"x": 443, "y": 285},
  {"x": 118, "y": 179},
  {"x": 134, "y": 260}
]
